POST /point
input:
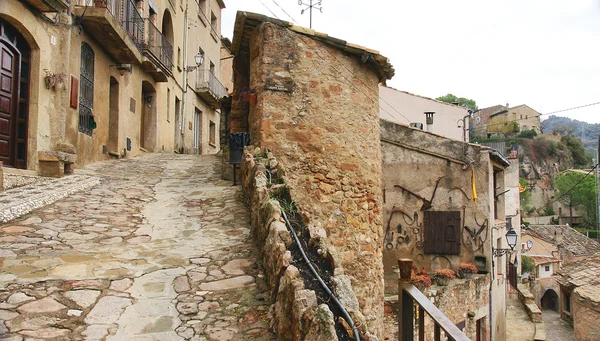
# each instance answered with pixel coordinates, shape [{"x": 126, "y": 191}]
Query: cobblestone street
[{"x": 159, "y": 250}]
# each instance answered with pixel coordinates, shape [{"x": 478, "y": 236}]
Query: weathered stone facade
[
  {"x": 312, "y": 105},
  {"x": 425, "y": 173}
]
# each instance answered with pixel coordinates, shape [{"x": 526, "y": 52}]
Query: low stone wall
[
  {"x": 528, "y": 300},
  {"x": 297, "y": 313},
  {"x": 463, "y": 301}
]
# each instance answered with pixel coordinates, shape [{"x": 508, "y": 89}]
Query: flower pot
[
  {"x": 442, "y": 281},
  {"x": 100, "y": 3},
  {"x": 467, "y": 275}
]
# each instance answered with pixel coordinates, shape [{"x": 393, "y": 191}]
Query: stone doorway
[
  {"x": 550, "y": 300},
  {"x": 113, "y": 117},
  {"x": 148, "y": 124},
  {"x": 14, "y": 96}
]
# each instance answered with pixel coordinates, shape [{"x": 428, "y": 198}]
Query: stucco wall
[
  {"x": 52, "y": 121},
  {"x": 402, "y": 107}
]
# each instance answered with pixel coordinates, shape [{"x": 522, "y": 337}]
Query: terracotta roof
[
  {"x": 538, "y": 260},
  {"x": 584, "y": 276},
  {"x": 246, "y": 22},
  {"x": 572, "y": 240}
]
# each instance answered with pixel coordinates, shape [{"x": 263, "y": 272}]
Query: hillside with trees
[{"x": 566, "y": 126}]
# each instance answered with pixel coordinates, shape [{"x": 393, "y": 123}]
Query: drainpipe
[
  {"x": 185, "y": 78},
  {"x": 492, "y": 283}
]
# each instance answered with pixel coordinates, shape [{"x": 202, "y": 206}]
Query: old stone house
[
  {"x": 487, "y": 120},
  {"x": 553, "y": 246},
  {"x": 430, "y": 216},
  {"x": 407, "y": 108},
  {"x": 580, "y": 296},
  {"x": 311, "y": 100},
  {"x": 84, "y": 81}
]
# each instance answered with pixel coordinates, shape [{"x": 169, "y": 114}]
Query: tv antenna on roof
[{"x": 310, "y": 6}]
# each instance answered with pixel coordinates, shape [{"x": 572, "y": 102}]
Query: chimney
[
  {"x": 558, "y": 235},
  {"x": 429, "y": 120}
]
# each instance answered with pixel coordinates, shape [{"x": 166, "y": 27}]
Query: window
[
  {"x": 177, "y": 108},
  {"x": 168, "y": 104},
  {"x": 547, "y": 268},
  {"x": 441, "y": 232},
  {"x": 213, "y": 21},
  {"x": 521, "y": 116},
  {"x": 179, "y": 58},
  {"x": 86, "y": 90},
  {"x": 212, "y": 68},
  {"x": 567, "y": 302},
  {"x": 212, "y": 133}
]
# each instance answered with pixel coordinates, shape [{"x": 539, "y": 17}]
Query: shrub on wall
[{"x": 527, "y": 264}]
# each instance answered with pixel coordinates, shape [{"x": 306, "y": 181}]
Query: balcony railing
[
  {"x": 409, "y": 298},
  {"x": 127, "y": 15},
  {"x": 158, "y": 45},
  {"x": 133, "y": 23},
  {"x": 207, "y": 81}
]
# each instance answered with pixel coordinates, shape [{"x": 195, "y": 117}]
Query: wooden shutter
[{"x": 441, "y": 232}]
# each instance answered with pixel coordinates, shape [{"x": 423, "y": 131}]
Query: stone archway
[
  {"x": 149, "y": 118},
  {"x": 550, "y": 300}
]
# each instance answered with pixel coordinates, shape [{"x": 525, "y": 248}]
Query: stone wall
[
  {"x": 586, "y": 314},
  {"x": 423, "y": 163},
  {"x": 297, "y": 314},
  {"x": 464, "y": 301},
  {"x": 323, "y": 128}
]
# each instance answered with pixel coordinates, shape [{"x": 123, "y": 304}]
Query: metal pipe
[{"x": 323, "y": 285}]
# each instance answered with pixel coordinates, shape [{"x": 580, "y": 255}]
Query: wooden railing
[{"x": 408, "y": 297}]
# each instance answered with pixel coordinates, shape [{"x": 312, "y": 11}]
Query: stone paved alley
[{"x": 159, "y": 250}]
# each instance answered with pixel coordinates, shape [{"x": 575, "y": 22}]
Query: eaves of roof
[{"x": 246, "y": 22}]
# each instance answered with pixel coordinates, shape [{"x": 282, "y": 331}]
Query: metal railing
[
  {"x": 409, "y": 298},
  {"x": 158, "y": 45},
  {"x": 207, "y": 80},
  {"x": 133, "y": 23},
  {"x": 126, "y": 14}
]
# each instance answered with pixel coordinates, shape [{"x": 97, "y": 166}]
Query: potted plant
[
  {"x": 422, "y": 282},
  {"x": 466, "y": 270},
  {"x": 443, "y": 276}
]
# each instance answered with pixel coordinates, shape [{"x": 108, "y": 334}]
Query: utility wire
[{"x": 572, "y": 188}]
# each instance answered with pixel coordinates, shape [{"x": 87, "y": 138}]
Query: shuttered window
[
  {"x": 86, "y": 90},
  {"x": 441, "y": 232}
]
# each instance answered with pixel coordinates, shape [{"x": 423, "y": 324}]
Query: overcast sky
[{"x": 545, "y": 54}]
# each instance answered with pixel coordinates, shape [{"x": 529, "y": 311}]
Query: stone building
[
  {"x": 580, "y": 296},
  {"x": 310, "y": 99},
  {"x": 487, "y": 120},
  {"x": 430, "y": 216},
  {"x": 552, "y": 247},
  {"x": 88, "y": 80},
  {"x": 403, "y": 107}
]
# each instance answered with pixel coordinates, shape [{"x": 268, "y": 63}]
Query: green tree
[
  {"x": 577, "y": 190},
  {"x": 527, "y": 264},
  {"x": 450, "y": 98},
  {"x": 525, "y": 196},
  {"x": 580, "y": 158}
]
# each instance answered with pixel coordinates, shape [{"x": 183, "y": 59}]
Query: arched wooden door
[{"x": 14, "y": 93}]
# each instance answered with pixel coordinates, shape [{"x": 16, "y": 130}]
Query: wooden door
[{"x": 9, "y": 98}]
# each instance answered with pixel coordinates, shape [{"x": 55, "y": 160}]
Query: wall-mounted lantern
[{"x": 511, "y": 240}]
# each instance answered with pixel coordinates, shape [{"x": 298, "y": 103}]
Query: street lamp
[
  {"x": 511, "y": 239},
  {"x": 198, "y": 59}
]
